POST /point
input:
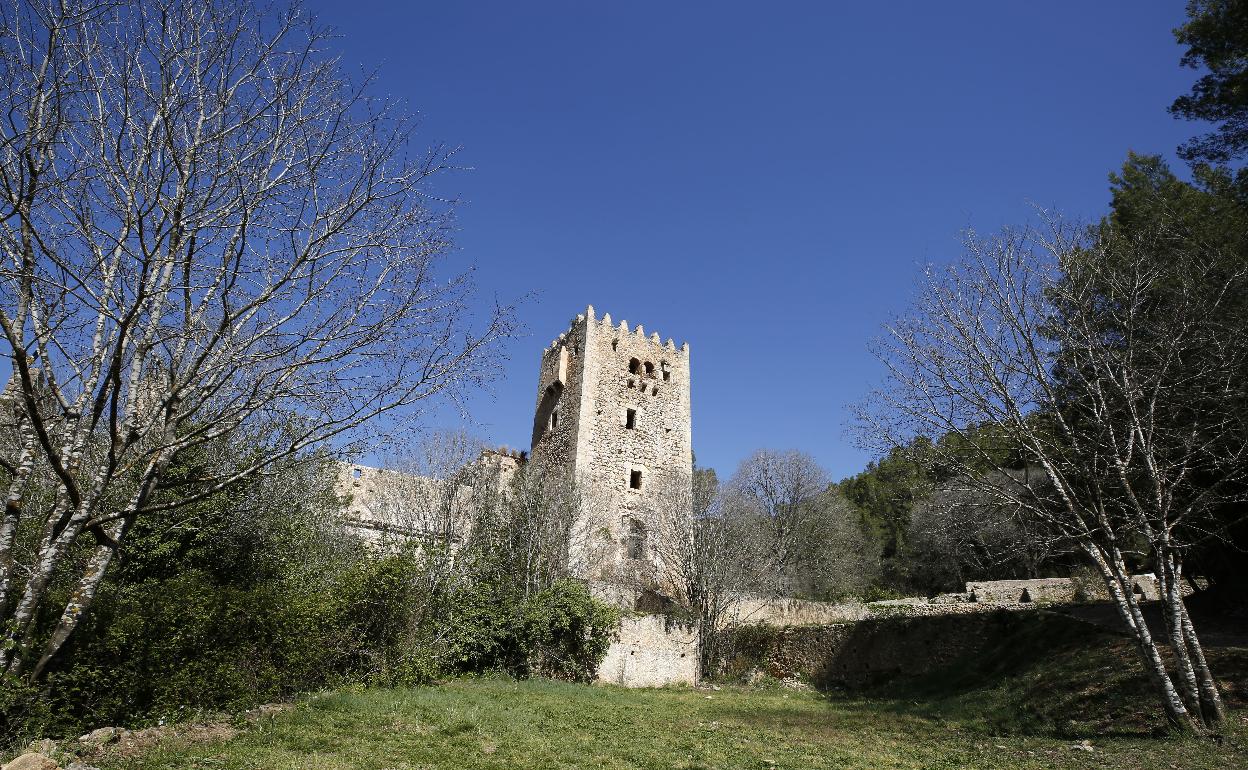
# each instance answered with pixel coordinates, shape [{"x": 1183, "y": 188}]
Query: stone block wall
[
  {"x": 866, "y": 653},
  {"x": 1023, "y": 591},
  {"x": 1144, "y": 586},
  {"x": 652, "y": 651},
  {"x": 757, "y": 610}
]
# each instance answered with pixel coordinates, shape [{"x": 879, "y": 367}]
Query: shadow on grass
[{"x": 1040, "y": 674}]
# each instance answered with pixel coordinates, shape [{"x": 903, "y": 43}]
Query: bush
[
  {"x": 151, "y": 649},
  {"x": 741, "y": 646},
  {"x": 258, "y": 595},
  {"x": 561, "y": 632},
  {"x": 567, "y": 632}
]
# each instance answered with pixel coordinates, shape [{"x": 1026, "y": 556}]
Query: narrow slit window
[
  {"x": 554, "y": 420},
  {"x": 630, "y": 419},
  {"x": 634, "y": 480}
]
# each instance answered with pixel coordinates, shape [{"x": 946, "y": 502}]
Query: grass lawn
[{"x": 540, "y": 724}]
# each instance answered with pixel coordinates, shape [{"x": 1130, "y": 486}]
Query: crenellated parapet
[{"x": 621, "y": 330}]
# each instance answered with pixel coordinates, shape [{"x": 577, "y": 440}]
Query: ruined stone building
[
  {"x": 612, "y": 416},
  {"x": 612, "y": 421},
  {"x": 384, "y": 505}
]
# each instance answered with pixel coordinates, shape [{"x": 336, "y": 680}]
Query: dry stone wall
[
  {"x": 1144, "y": 586},
  {"x": 870, "y": 652},
  {"x": 986, "y": 596},
  {"x": 1023, "y": 591}
]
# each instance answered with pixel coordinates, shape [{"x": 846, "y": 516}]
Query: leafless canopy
[
  {"x": 207, "y": 231},
  {"x": 1107, "y": 379}
]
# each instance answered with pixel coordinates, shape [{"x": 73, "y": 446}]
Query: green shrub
[
  {"x": 561, "y": 632},
  {"x": 567, "y": 631},
  {"x": 258, "y": 595},
  {"x": 741, "y": 647},
  {"x": 155, "y": 648}
]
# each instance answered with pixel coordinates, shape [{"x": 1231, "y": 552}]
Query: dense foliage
[
  {"x": 259, "y": 594},
  {"x": 1216, "y": 36}
]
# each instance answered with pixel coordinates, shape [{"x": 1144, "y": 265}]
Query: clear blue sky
[{"x": 760, "y": 179}]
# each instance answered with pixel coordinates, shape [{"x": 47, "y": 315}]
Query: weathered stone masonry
[
  {"x": 611, "y": 421},
  {"x": 613, "y": 415}
]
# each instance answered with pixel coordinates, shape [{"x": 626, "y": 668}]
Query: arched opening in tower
[{"x": 547, "y": 417}]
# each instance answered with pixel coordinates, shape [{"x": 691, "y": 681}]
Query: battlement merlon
[{"x": 589, "y": 319}]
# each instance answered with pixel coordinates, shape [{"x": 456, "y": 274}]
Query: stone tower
[{"x": 613, "y": 415}]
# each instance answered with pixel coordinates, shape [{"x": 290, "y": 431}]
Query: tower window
[
  {"x": 554, "y": 420},
  {"x": 630, "y": 418},
  {"x": 649, "y": 369},
  {"x": 634, "y": 366},
  {"x": 635, "y": 545},
  {"x": 634, "y": 480}
]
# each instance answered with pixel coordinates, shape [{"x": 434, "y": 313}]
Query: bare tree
[
  {"x": 727, "y": 555},
  {"x": 536, "y": 527},
  {"x": 957, "y": 533},
  {"x": 424, "y": 494},
  {"x": 207, "y": 230},
  {"x": 1114, "y": 381},
  {"x": 840, "y": 560},
  {"x": 781, "y": 493},
  {"x": 708, "y": 559}
]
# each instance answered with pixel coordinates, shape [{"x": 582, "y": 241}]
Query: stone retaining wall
[
  {"x": 866, "y": 653},
  {"x": 1058, "y": 590}
]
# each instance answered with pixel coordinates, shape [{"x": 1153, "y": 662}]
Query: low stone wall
[
  {"x": 866, "y": 653},
  {"x": 1144, "y": 586},
  {"x": 983, "y": 596},
  {"x": 791, "y": 612},
  {"x": 751, "y": 611},
  {"x": 652, "y": 651},
  {"x": 1023, "y": 591}
]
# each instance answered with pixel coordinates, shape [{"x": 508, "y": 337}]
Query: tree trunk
[
  {"x": 1119, "y": 585},
  {"x": 1211, "y": 708},
  {"x": 83, "y": 595},
  {"x": 12, "y": 513},
  {"x": 1171, "y": 599},
  {"x": 19, "y": 621}
]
